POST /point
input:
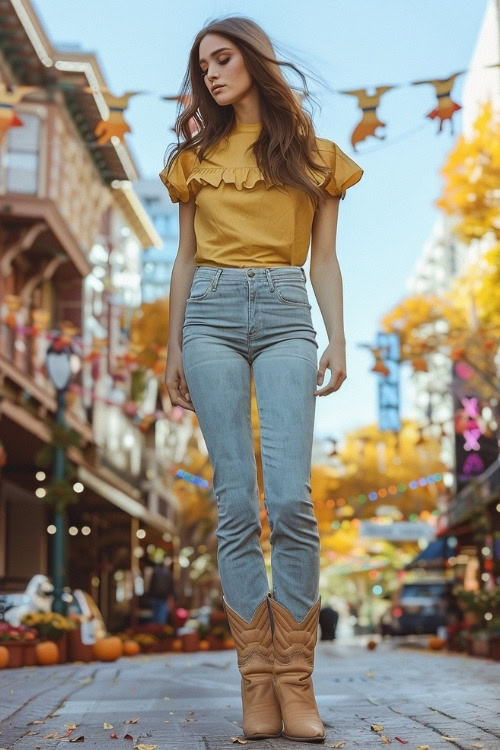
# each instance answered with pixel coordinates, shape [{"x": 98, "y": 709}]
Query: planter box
[
  {"x": 77, "y": 650},
  {"x": 190, "y": 641},
  {"x": 495, "y": 647},
  {"x": 21, "y": 653}
]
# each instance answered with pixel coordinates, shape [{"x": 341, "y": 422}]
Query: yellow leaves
[
  {"x": 423, "y": 747},
  {"x": 146, "y": 747},
  {"x": 335, "y": 744},
  {"x": 107, "y": 726},
  {"x": 239, "y": 740},
  {"x": 377, "y": 727}
]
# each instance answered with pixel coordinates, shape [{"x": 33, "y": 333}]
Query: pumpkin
[
  {"x": 4, "y": 656},
  {"x": 436, "y": 643},
  {"x": 177, "y": 644},
  {"x": 371, "y": 645},
  {"x": 229, "y": 642},
  {"x": 203, "y": 645},
  {"x": 108, "y": 649},
  {"x": 47, "y": 652},
  {"x": 131, "y": 648}
]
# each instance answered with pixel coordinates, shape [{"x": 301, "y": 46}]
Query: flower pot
[
  {"x": 77, "y": 650},
  {"x": 29, "y": 653},
  {"x": 16, "y": 653},
  {"x": 216, "y": 644},
  {"x": 190, "y": 641},
  {"x": 62, "y": 645},
  {"x": 494, "y": 652}
]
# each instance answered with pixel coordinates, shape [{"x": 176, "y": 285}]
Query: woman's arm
[
  {"x": 183, "y": 271},
  {"x": 326, "y": 279}
]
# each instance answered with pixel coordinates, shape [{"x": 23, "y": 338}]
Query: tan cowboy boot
[
  {"x": 294, "y": 644},
  {"x": 254, "y": 646}
]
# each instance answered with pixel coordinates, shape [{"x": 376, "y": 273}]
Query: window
[{"x": 23, "y": 147}]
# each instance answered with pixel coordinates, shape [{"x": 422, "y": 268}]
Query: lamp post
[{"x": 60, "y": 366}]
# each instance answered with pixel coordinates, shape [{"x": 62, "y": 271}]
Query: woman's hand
[
  {"x": 176, "y": 381},
  {"x": 334, "y": 358}
]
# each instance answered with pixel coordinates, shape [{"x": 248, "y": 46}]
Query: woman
[{"x": 254, "y": 186}]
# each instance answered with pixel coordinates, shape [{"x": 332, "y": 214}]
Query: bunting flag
[
  {"x": 368, "y": 98},
  {"x": 8, "y": 98},
  {"x": 115, "y": 126}
]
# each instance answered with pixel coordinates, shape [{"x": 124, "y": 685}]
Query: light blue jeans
[{"x": 239, "y": 322}]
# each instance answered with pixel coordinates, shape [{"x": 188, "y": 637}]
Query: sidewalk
[{"x": 192, "y": 701}]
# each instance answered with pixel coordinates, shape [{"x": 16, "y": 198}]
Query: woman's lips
[{"x": 218, "y": 88}]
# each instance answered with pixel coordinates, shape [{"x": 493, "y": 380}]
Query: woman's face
[{"x": 221, "y": 62}]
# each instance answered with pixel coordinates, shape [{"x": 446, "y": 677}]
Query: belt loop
[
  {"x": 303, "y": 273},
  {"x": 216, "y": 279},
  {"x": 270, "y": 279}
]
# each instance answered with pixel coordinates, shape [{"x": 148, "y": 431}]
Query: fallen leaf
[
  {"x": 31, "y": 733},
  {"x": 50, "y": 736},
  {"x": 86, "y": 681},
  {"x": 370, "y": 674},
  {"x": 71, "y": 726},
  {"x": 146, "y": 747},
  {"x": 131, "y": 721},
  {"x": 377, "y": 727},
  {"x": 394, "y": 710},
  {"x": 384, "y": 739},
  {"x": 449, "y": 739},
  {"x": 477, "y": 744},
  {"x": 372, "y": 700},
  {"x": 113, "y": 736},
  {"x": 37, "y": 721},
  {"x": 423, "y": 747},
  {"x": 238, "y": 739},
  {"x": 336, "y": 744},
  {"x": 166, "y": 698},
  {"x": 166, "y": 721},
  {"x": 107, "y": 726},
  {"x": 81, "y": 738},
  {"x": 403, "y": 742},
  {"x": 127, "y": 737}
]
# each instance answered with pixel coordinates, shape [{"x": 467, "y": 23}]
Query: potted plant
[
  {"x": 51, "y": 626},
  {"x": 20, "y": 640}
]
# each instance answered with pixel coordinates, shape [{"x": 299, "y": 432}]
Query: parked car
[{"x": 418, "y": 607}]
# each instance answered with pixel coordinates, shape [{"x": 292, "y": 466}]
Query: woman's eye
[{"x": 221, "y": 62}]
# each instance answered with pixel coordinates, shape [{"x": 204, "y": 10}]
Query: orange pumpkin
[
  {"x": 203, "y": 645},
  {"x": 229, "y": 642},
  {"x": 177, "y": 644},
  {"x": 436, "y": 643},
  {"x": 4, "y": 656},
  {"x": 47, "y": 652},
  {"x": 131, "y": 648},
  {"x": 108, "y": 649}
]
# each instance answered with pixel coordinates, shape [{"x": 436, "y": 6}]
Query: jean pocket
[
  {"x": 200, "y": 287},
  {"x": 292, "y": 292}
]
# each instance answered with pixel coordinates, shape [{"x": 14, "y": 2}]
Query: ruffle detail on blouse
[{"x": 240, "y": 177}]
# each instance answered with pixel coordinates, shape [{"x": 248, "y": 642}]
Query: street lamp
[{"x": 60, "y": 362}]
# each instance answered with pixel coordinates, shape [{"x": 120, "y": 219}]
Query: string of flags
[{"x": 111, "y": 129}]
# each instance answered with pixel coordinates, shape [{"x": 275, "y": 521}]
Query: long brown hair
[{"x": 284, "y": 148}]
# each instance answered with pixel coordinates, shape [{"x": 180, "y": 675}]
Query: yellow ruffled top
[{"x": 240, "y": 220}]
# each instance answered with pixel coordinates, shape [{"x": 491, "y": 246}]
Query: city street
[{"x": 410, "y": 696}]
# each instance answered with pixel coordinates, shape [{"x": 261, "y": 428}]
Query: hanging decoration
[
  {"x": 8, "y": 99},
  {"x": 369, "y": 100},
  {"x": 115, "y": 126}
]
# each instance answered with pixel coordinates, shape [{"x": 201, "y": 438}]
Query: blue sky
[{"x": 384, "y": 219}]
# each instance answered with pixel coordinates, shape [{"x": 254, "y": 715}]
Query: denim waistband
[{"x": 271, "y": 273}]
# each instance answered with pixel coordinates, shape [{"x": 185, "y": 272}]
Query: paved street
[{"x": 192, "y": 701}]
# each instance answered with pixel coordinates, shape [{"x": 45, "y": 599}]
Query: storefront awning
[{"x": 124, "y": 501}]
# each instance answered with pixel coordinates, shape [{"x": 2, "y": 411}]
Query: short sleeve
[
  {"x": 345, "y": 172},
  {"x": 175, "y": 178}
]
